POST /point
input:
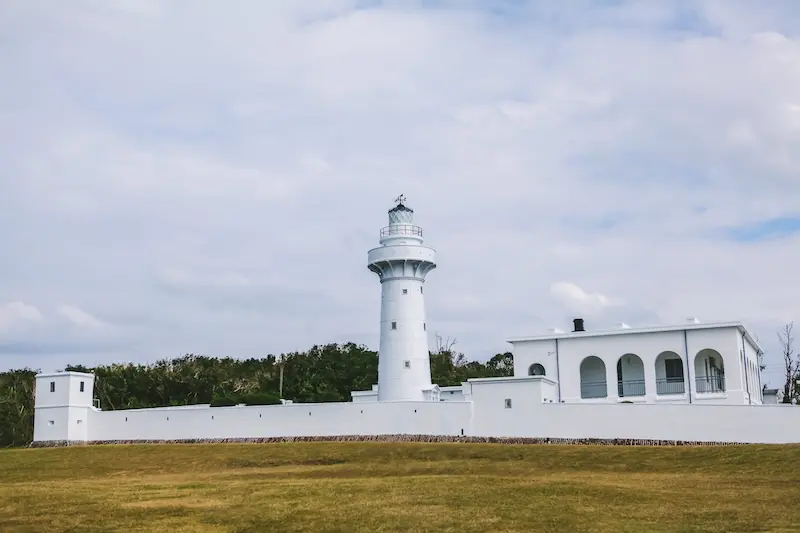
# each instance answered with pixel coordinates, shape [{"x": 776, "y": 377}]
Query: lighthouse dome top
[
  {"x": 401, "y": 229},
  {"x": 401, "y": 214}
]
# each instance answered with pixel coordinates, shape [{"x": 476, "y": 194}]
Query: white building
[
  {"x": 771, "y": 396},
  {"x": 687, "y": 363},
  {"x": 689, "y": 382}
]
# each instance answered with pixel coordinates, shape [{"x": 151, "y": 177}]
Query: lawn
[{"x": 383, "y": 487}]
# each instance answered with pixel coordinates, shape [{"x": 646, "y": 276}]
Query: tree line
[{"x": 322, "y": 374}]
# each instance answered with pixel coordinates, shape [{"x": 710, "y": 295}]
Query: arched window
[
  {"x": 709, "y": 371},
  {"x": 593, "y": 378},
  {"x": 536, "y": 370},
  {"x": 630, "y": 375},
  {"x": 669, "y": 374}
]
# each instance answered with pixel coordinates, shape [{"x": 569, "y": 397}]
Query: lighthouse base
[{"x": 434, "y": 393}]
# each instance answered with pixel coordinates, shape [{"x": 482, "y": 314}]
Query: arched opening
[
  {"x": 630, "y": 376},
  {"x": 669, "y": 374},
  {"x": 709, "y": 371},
  {"x": 536, "y": 370},
  {"x": 593, "y": 378}
]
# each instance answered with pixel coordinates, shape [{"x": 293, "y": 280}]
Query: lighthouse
[{"x": 401, "y": 263}]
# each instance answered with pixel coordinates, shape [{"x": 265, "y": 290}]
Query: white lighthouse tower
[{"x": 402, "y": 262}]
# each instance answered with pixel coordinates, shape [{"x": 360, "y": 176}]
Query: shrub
[
  {"x": 260, "y": 398},
  {"x": 254, "y": 398},
  {"x": 223, "y": 401}
]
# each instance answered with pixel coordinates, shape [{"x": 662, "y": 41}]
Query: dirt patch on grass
[{"x": 187, "y": 503}]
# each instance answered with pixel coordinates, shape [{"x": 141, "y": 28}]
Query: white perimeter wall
[
  {"x": 295, "y": 420},
  {"x": 529, "y": 417},
  {"x": 486, "y": 415}
]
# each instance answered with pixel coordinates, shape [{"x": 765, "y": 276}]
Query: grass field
[{"x": 382, "y": 487}]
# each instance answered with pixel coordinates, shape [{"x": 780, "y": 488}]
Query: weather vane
[{"x": 400, "y": 199}]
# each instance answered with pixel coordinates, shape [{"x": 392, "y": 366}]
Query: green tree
[{"x": 16, "y": 407}]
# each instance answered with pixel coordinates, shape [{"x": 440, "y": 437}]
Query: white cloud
[
  {"x": 576, "y": 299},
  {"x": 17, "y": 314},
  {"x": 80, "y": 317},
  {"x": 209, "y": 177}
]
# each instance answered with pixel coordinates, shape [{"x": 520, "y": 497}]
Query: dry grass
[{"x": 381, "y": 487}]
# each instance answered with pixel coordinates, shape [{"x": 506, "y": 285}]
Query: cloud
[
  {"x": 575, "y": 299},
  {"x": 209, "y": 177},
  {"x": 17, "y": 314},
  {"x": 80, "y": 317}
]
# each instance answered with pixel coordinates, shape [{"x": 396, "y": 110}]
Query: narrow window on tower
[
  {"x": 424, "y": 326},
  {"x": 394, "y": 325},
  {"x": 420, "y": 289},
  {"x": 406, "y": 364},
  {"x": 405, "y": 291},
  {"x": 81, "y": 386},
  {"x": 52, "y": 386}
]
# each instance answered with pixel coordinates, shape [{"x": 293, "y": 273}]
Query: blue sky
[
  {"x": 207, "y": 177},
  {"x": 775, "y": 228}
]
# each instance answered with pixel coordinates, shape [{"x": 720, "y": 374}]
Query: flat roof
[
  {"x": 633, "y": 331},
  {"x": 57, "y": 374},
  {"x": 363, "y": 393},
  {"x": 506, "y": 379}
]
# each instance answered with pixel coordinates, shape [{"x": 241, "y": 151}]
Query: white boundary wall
[
  {"x": 295, "y": 420},
  {"x": 774, "y": 424},
  {"x": 529, "y": 417},
  {"x": 511, "y": 408}
]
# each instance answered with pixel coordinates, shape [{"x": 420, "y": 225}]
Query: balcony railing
[
  {"x": 670, "y": 386},
  {"x": 400, "y": 230},
  {"x": 596, "y": 389},
  {"x": 709, "y": 384},
  {"x": 630, "y": 387}
]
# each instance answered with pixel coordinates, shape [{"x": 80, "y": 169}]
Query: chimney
[{"x": 578, "y": 323}]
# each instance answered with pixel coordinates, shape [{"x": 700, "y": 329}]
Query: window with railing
[
  {"x": 630, "y": 387},
  {"x": 594, "y": 389},
  {"x": 669, "y": 369},
  {"x": 670, "y": 386},
  {"x": 710, "y": 384}
]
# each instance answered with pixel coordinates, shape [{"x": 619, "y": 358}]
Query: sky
[{"x": 207, "y": 177}]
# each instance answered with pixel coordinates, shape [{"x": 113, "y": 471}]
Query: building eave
[
  {"x": 61, "y": 374},
  {"x": 633, "y": 331}
]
